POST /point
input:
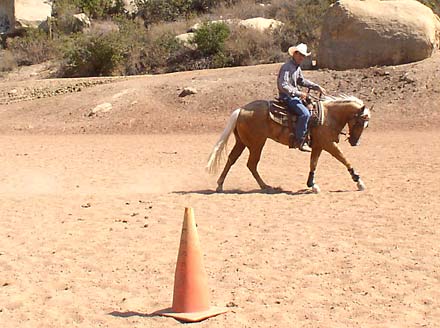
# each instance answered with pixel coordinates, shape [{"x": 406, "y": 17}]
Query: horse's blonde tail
[{"x": 219, "y": 149}]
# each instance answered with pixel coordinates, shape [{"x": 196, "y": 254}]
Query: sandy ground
[
  {"x": 92, "y": 204},
  {"x": 90, "y": 229}
]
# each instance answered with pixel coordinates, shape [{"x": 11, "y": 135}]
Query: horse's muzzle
[{"x": 354, "y": 142}]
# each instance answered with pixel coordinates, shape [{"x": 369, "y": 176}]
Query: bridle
[{"x": 362, "y": 117}]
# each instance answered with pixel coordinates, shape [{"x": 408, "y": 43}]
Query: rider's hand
[
  {"x": 303, "y": 96},
  {"x": 322, "y": 90}
]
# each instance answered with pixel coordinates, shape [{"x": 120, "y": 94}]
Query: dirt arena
[{"x": 92, "y": 207}]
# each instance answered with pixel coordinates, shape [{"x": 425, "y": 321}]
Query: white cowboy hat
[{"x": 301, "y": 48}]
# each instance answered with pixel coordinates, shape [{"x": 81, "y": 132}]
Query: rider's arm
[{"x": 306, "y": 83}]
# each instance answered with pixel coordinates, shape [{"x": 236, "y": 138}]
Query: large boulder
[
  {"x": 16, "y": 14},
  {"x": 359, "y": 34}
]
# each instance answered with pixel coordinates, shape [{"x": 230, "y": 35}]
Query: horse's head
[{"x": 357, "y": 124}]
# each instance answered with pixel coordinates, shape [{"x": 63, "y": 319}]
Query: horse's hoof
[
  {"x": 360, "y": 185},
  {"x": 316, "y": 189},
  {"x": 219, "y": 189}
]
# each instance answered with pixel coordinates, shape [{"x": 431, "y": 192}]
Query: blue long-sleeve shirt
[{"x": 290, "y": 77}]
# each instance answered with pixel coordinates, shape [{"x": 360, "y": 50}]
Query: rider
[{"x": 289, "y": 78}]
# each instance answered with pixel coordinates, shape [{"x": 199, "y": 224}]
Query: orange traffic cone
[{"x": 191, "y": 296}]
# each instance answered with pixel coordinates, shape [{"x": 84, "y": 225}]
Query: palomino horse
[{"x": 252, "y": 126}]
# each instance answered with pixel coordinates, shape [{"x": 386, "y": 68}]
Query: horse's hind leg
[
  {"x": 232, "y": 158},
  {"x": 254, "y": 158}
]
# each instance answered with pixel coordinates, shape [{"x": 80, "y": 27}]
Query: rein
[{"x": 319, "y": 98}]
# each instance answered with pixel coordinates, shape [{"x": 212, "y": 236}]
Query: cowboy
[{"x": 290, "y": 78}]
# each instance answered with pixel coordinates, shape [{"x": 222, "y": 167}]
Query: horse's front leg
[
  {"x": 334, "y": 150},
  {"x": 314, "y": 157}
]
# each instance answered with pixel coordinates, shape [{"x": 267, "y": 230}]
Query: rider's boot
[{"x": 303, "y": 145}]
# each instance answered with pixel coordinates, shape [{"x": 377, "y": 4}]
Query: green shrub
[
  {"x": 33, "y": 47},
  {"x": 7, "y": 61},
  {"x": 130, "y": 50},
  {"x": 210, "y": 38},
  {"x": 92, "y": 8},
  {"x": 147, "y": 51},
  {"x": 154, "y": 11},
  {"x": 249, "y": 47},
  {"x": 155, "y": 56},
  {"x": 203, "y": 6},
  {"x": 240, "y": 10},
  {"x": 302, "y": 18},
  {"x": 93, "y": 55},
  {"x": 64, "y": 22}
]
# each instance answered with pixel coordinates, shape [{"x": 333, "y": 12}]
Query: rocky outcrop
[
  {"x": 80, "y": 22},
  {"x": 129, "y": 6},
  {"x": 186, "y": 40},
  {"x": 260, "y": 24},
  {"x": 197, "y": 26},
  {"x": 360, "y": 34}
]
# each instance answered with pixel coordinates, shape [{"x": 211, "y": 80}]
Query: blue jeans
[{"x": 295, "y": 106}]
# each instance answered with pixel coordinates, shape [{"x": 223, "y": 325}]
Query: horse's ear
[{"x": 365, "y": 113}]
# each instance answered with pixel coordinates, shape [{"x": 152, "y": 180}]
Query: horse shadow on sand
[{"x": 272, "y": 191}]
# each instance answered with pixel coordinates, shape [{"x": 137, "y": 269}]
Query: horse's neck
[{"x": 339, "y": 114}]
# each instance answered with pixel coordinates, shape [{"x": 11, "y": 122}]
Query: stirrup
[{"x": 305, "y": 147}]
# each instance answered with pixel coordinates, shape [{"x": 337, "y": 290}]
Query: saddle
[{"x": 278, "y": 113}]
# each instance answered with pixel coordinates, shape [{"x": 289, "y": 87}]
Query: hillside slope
[{"x": 404, "y": 96}]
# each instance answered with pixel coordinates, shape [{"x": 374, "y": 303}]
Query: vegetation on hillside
[{"x": 121, "y": 43}]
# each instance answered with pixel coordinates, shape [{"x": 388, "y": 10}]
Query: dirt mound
[{"x": 405, "y": 95}]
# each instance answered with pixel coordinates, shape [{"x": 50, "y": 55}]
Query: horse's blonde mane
[{"x": 343, "y": 98}]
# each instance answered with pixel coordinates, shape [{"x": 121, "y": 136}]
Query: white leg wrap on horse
[
  {"x": 360, "y": 185},
  {"x": 316, "y": 189}
]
